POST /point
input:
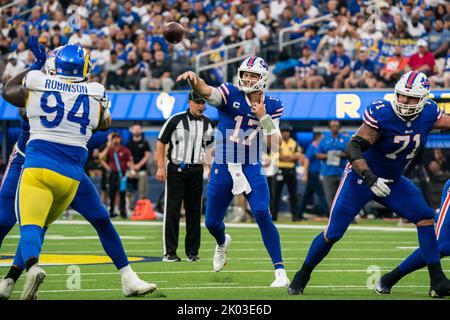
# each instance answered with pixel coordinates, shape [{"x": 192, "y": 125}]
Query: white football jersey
[{"x": 60, "y": 111}]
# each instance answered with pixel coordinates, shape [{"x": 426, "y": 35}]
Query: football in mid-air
[{"x": 173, "y": 32}]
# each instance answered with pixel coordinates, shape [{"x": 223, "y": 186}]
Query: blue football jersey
[
  {"x": 239, "y": 138},
  {"x": 399, "y": 140}
]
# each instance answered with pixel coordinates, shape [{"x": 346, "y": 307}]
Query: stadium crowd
[{"x": 359, "y": 46}]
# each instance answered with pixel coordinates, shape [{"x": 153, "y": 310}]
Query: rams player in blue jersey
[
  {"x": 416, "y": 260},
  {"x": 246, "y": 116},
  {"x": 86, "y": 200},
  {"x": 387, "y": 140}
]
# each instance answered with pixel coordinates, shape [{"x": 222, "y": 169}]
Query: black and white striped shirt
[{"x": 187, "y": 136}]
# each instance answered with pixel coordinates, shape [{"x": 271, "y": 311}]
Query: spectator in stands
[
  {"x": 415, "y": 28},
  {"x": 423, "y": 60},
  {"x": 328, "y": 42},
  {"x": 339, "y": 67},
  {"x": 439, "y": 39},
  {"x": 305, "y": 73},
  {"x": 133, "y": 71},
  {"x": 287, "y": 18},
  {"x": 362, "y": 74},
  {"x": 386, "y": 16},
  {"x": 101, "y": 54},
  {"x": 117, "y": 161},
  {"x": 265, "y": 17},
  {"x": 159, "y": 75},
  {"x": 128, "y": 17},
  {"x": 113, "y": 72},
  {"x": 331, "y": 151},
  {"x": 284, "y": 68},
  {"x": 443, "y": 77},
  {"x": 393, "y": 68},
  {"x": 311, "y": 38},
  {"x": 253, "y": 47},
  {"x": 141, "y": 154},
  {"x": 81, "y": 37},
  {"x": 57, "y": 38},
  {"x": 13, "y": 67}
]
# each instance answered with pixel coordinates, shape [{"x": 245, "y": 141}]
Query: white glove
[
  {"x": 105, "y": 104},
  {"x": 380, "y": 187}
]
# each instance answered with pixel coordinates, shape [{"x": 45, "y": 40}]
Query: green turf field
[{"x": 248, "y": 273}]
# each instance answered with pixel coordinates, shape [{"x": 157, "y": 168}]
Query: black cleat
[
  {"x": 381, "y": 287},
  {"x": 442, "y": 289},
  {"x": 294, "y": 291},
  {"x": 299, "y": 282}
]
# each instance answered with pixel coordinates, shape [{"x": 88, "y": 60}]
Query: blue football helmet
[{"x": 72, "y": 63}]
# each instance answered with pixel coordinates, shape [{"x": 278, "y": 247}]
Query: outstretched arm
[
  {"x": 211, "y": 94},
  {"x": 16, "y": 93}
]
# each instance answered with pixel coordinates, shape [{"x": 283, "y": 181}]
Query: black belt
[{"x": 185, "y": 165}]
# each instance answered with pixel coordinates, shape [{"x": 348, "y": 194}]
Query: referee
[{"x": 188, "y": 135}]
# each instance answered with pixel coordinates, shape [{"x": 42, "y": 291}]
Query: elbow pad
[{"x": 356, "y": 147}]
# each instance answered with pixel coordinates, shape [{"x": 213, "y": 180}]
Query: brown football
[{"x": 173, "y": 32}]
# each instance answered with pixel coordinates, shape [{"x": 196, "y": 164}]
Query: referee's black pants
[
  {"x": 288, "y": 176},
  {"x": 187, "y": 185}
]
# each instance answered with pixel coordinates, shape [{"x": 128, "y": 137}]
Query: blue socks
[
  {"x": 110, "y": 241},
  {"x": 412, "y": 263},
  {"x": 217, "y": 231},
  {"x": 428, "y": 244},
  {"x": 271, "y": 238},
  {"x": 318, "y": 250},
  {"x": 30, "y": 242}
]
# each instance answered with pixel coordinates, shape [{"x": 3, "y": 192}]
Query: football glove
[
  {"x": 38, "y": 52},
  {"x": 105, "y": 104},
  {"x": 377, "y": 185}
]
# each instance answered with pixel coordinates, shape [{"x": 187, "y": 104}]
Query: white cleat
[
  {"x": 220, "y": 254},
  {"x": 6, "y": 288},
  {"x": 33, "y": 279},
  {"x": 281, "y": 279},
  {"x": 133, "y": 286}
]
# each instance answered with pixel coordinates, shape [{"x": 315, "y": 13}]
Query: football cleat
[
  {"x": 382, "y": 287},
  {"x": 6, "y": 288},
  {"x": 133, "y": 286},
  {"x": 281, "y": 279},
  {"x": 440, "y": 290},
  {"x": 33, "y": 279},
  {"x": 298, "y": 283},
  {"x": 220, "y": 254}
]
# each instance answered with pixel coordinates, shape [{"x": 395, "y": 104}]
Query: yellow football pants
[{"x": 43, "y": 196}]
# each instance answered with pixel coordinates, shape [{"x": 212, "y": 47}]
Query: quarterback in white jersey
[{"x": 63, "y": 110}]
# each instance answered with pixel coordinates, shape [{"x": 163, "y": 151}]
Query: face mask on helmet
[
  {"x": 49, "y": 66},
  {"x": 411, "y": 85},
  {"x": 249, "y": 67}
]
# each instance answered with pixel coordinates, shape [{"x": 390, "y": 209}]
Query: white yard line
[
  {"x": 227, "y": 287},
  {"x": 245, "y": 226}
]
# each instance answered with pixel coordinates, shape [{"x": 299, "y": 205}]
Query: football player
[
  {"x": 387, "y": 140},
  {"x": 86, "y": 200},
  {"x": 416, "y": 260},
  {"x": 245, "y": 112}
]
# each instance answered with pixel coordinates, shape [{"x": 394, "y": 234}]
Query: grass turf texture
[{"x": 248, "y": 273}]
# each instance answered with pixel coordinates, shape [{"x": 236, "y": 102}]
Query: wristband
[
  {"x": 368, "y": 177},
  {"x": 268, "y": 125}
]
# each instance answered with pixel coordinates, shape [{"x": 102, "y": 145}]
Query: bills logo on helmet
[
  {"x": 263, "y": 64},
  {"x": 425, "y": 83}
]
